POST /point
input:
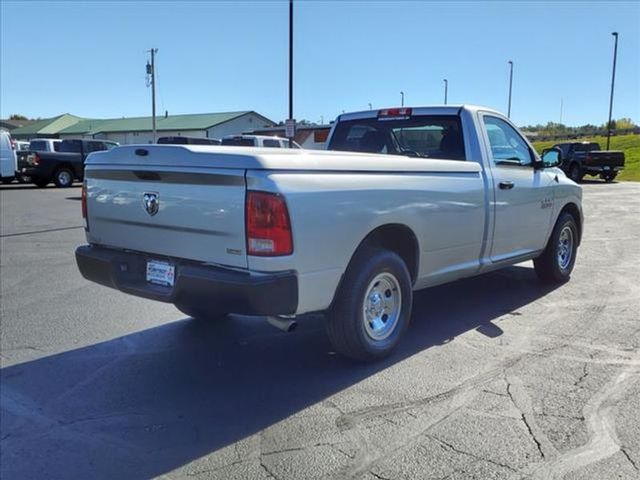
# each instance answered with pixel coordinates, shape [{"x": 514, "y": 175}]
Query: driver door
[{"x": 523, "y": 196}]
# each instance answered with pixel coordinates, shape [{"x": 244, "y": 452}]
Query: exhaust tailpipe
[{"x": 285, "y": 324}]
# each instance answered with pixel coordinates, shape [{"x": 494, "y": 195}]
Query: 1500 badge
[{"x": 546, "y": 203}]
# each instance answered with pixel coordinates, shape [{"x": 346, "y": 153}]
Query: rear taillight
[
  {"x": 13, "y": 144},
  {"x": 33, "y": 159},
  {"x": 84, "y": 205},
  {"x": 268, "y": 226}
]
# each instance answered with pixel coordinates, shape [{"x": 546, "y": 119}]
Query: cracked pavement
[{"x": 497, "y": 378}]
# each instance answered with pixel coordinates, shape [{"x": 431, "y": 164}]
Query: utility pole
[
  {"x": 370, "y": 107},
  {"x": 446, "y": 87},
  {"x": 613, "y": 81},
  {"x": 510, "y": 86},
  {"x": 151, "y": 71},
  {"x": 291, "y": 129},
  {"x": 402, "y": 99}
]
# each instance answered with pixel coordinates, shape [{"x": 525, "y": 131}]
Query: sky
[{"x": 88, "y": 58}]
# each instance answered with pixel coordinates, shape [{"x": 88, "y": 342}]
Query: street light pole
[
  {"x": 370, "y": 106},
  {"x": 446, "y": 87},
  {"x": 613, "y": 81},
  {"x": 151, "y": 71},
  {"x": 291, "y": 66},
  {"x": 402, "y": 99},
  {"x": 510, "y": 87}
]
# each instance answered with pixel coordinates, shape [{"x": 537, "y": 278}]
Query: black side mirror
[{"x": 551, "y": 157}]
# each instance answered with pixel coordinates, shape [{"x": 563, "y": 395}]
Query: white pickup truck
[{"x": 283, "y": 232}]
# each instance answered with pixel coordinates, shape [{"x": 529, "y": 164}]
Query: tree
[{"x": 17, "y": 116}]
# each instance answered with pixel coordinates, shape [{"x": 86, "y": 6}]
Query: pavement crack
[
  {"x": 472, "y": 455},
  {"x": 269, "y": 472},
  {"x": 378, "y": 475},
  {"x": 34, "y": 232},
  {"x": 524, "y": 420},
  {"x": 626, "y": 454},
  {"x": 194, "y": 473}
]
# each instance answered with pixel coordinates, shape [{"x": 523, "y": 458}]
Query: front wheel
[
  {"x": 575, "y": 173},
  {"x": 609, "y": 177},
  {"x": 372, "y": 308},
  {"x": 7, "y": 180},
  {"x": 556, "y": 262}
]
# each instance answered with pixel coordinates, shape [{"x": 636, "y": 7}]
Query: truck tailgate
[
  {"x": 604, "y": 159},
  {"x": 189, "y": 212}
]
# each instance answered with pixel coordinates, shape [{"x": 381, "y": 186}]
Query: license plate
[
  {"x": 160, "y": 273},
  {"x": 607, "y": 168}
]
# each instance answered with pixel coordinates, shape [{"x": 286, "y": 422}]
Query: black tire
[
  {"x": 551, "y": 267},
  {"x": 575, "y": 173},
  {"x": 63, "y": 177},
  {"x": 348, "y": 330},
  {"x": 40, "y": 182},
  {"x": 23, "y": 178},
  {"x": 201, "y": 313},
  {"x": 609, "y": 177},
  {"x": 7, "y": 180}
]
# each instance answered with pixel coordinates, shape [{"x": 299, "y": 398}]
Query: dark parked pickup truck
[
  {"x": 586, "y": 158},
  {"x": 63, "y": 166}
]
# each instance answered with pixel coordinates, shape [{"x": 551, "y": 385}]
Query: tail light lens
[
  {"x": 268, "y": 226},
  {"x": 84, "y": 205},
  {"x": 13, "y": 144},
  {"x": 33, "y": 159}
]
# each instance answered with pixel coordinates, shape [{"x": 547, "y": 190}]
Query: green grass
[{"x": 629, "y": 144}]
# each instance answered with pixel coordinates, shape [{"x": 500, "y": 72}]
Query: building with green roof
[
  {"x": 46, "y": 128},
  {"x": 139, "y": 129}
]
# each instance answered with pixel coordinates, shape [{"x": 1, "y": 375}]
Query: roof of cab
[{"x": 419, "y": 110}]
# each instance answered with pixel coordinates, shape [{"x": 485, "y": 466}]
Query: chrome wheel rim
[
  {"x": 64, "y": 178},
  {"x": 565, "y": 247},
  {"x": 381, "y": 306}
]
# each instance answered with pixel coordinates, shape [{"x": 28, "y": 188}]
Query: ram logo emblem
[{"x": 151, "y": 202}]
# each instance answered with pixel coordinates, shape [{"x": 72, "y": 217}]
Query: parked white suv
[
  {"x": 8, "y": 161},
  {"x": 257, "y": 141}
]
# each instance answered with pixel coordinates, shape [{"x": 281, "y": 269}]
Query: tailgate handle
[
  {"x": 142, "y": 152},
  {"x": 144, "y": 175}
]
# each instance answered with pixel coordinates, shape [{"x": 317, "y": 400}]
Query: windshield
[{"x": 421, "y": 136}]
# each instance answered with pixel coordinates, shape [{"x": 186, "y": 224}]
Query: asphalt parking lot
[{"x": 498, "y": 377}]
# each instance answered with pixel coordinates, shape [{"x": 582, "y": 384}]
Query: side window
[
  {"x": 271, "y": 143},
  {"x": 507, "y": 145},
  {"x": 95, "y": 147}
]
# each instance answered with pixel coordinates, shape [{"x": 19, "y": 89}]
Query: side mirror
[{"x": 551, "y": 157}]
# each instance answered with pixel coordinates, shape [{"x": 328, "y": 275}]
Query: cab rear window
[{"x": 438, "y": 137}]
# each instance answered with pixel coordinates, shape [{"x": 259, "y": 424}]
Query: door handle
[{"x": 506, "y": 185}]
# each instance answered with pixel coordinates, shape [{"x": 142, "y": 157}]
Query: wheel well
[
  {"x": 399, "y": 239},
  {"x": 65, "y": 165},
  {"x": 572, "y": 209}
]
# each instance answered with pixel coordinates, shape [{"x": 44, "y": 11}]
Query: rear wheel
[
  {"x": 7, "y": 180},
  {"x": 609, "y": 177},
  {"x": 23, "y": 178},
  {"x": 63, "y": 177},
  {"x": 556, "y": 262},
  {"x": 201, "y": 313},
  {"x": 373, "y": 306},
  {"x": 575, "y": 173}
]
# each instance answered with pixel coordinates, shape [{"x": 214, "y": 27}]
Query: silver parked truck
[{"x": 425, "y": 196}]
